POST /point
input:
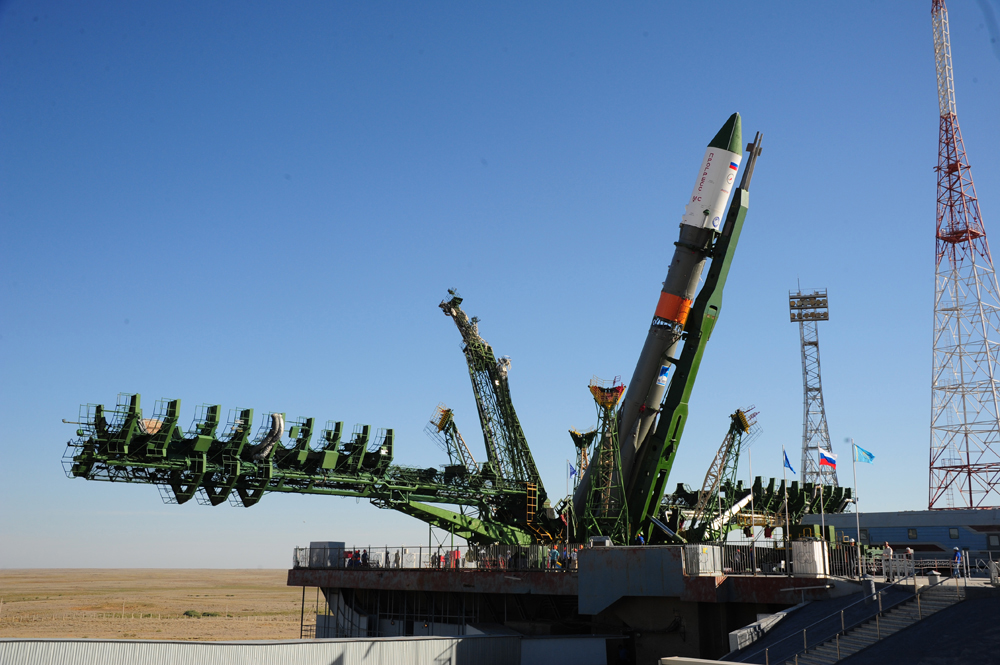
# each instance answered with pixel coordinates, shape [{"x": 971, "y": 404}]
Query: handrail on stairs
[{"x": 844, "y": 628}]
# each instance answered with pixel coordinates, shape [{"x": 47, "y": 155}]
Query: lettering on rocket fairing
[{"x": 711, "y": 190}]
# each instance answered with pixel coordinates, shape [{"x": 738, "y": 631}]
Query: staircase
[{"x": 931, "y": 600}]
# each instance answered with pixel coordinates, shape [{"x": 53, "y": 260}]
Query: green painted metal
[
  {"x": 507, "y": 451},
  {"x": 605, "y": 512},
  {"x": 730, "y": 137},
  {"x": 713, "y": 501},
  {"x": 502, "y": 501},
  {"x": 119, "y": 445},
  {"x": 769, "y": 500}
]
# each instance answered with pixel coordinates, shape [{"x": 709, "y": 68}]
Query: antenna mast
[{"x": 965, "y": 431}]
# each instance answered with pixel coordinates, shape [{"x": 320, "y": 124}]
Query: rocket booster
[{"x": 700, "y": 224}]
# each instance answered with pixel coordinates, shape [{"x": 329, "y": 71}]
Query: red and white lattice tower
[{"x": 965, "y": 400}]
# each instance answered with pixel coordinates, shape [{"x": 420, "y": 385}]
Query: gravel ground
[{"x": 151, "y": 604}]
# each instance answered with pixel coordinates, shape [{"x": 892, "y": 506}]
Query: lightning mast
[
  {"x": 808, "y": 309},
  {"x": 965, "y": 431}
]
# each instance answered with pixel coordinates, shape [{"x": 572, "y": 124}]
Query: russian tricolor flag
[
  {"x": 826, "y": 458},
  {"x": 734, "y": 166}
]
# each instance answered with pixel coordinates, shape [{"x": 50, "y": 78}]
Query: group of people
[
  {"x": 449, "y": 559},
  {"x": 552, "y": 557},
  {"x": 561, "y": 557},
  {"x": 894, "y": 568},
  {"x": 357, "y": 559}
]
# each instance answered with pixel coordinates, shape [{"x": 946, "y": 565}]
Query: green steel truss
[
  {"x": 501, "y": 501},
  {"x": 120, "y": 445},
  {"x": 605, "y": 512},
  {"x": 768, "y": 503},
  {"x": 507, "y": 452}
]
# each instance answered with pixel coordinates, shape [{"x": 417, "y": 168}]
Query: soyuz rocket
[{"x": 700, "y": 224}]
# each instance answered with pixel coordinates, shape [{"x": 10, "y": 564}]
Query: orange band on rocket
[{"x": 673, "y": 308}]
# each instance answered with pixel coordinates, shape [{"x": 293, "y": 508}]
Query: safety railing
[
  {"x": 838, "y": 623},
  {"x": 767, "y": 557},
  {"x": 561, "y": 558},
  {"x": 748, "y": 557}
]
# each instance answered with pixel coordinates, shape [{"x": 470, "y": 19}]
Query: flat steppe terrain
[{"x": 144, "y": 603}]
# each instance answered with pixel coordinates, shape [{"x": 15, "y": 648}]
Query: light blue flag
[
  {"x": 862, "y": 455},
  {"x": 788, "y": 464}
]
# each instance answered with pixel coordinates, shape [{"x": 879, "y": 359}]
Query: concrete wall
[{"x": 609, "y": 573}]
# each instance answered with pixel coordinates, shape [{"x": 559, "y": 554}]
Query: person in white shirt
[{"x": 887, "y": 562}]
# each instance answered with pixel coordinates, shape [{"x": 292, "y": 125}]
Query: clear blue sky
[{"x": 260, "y": 205}]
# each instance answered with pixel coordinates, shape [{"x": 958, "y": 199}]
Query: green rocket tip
[{"x": 730, "y": 137}]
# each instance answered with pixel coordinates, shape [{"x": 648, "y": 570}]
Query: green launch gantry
[{"x": 501, "y": 500}]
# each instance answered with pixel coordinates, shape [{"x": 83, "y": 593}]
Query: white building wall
[{"x": 486, "y": 650}]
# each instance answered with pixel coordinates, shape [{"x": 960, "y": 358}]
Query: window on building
[
  {"x": 993, "y": 541},
  {"x": 911, "y": 534},
  {"x": 953, "y": 534}
]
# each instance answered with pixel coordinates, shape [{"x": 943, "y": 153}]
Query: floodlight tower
[
  {"x": 965, "y": 431},
  {"x": 807, "y": 309}
]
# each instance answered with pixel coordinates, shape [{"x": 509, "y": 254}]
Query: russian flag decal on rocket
[{"x": 734, "y": 166}]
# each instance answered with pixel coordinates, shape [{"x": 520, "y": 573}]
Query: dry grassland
[{"x": 150, "y": 604}]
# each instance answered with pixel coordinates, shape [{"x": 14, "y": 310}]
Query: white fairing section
[{"x": 711, "y": 190}]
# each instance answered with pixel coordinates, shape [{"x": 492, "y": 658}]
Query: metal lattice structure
[
  {"x": 965, "y": 431},
  {"x": 807, "y": 309},
  {"x": 581, "y": 442},
  {"x": 507, "y": 452},
  {"x": 715, "y": 508},
  {"x": 443, "y": 430},
  {"x": 605, "y": 512}
]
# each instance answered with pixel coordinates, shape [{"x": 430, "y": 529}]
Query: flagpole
[
  {"x": 567, "y": 477},
  {"x": 857, "y": 510},
  {"x": 753, "y": 518},
  {"x": 822, "y": 515},
  {"x": 788, "y": 540}
]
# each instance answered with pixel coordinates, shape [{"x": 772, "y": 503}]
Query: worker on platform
[
  {"x": 956, "y": 563},
  {"x": 887, "y": 562},
  {"x": 573, "y": 557},
  {"x": 639, "y": 540}
]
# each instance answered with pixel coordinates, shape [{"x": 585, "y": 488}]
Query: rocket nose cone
[{"x": 730, "y": 137}]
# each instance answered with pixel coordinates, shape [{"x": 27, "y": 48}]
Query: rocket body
[{"x": 700, "y": 223}]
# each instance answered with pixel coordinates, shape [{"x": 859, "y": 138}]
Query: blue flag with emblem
[
  {"x": 862, "y": 455},
  {"x": 572, "y": 471}
]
